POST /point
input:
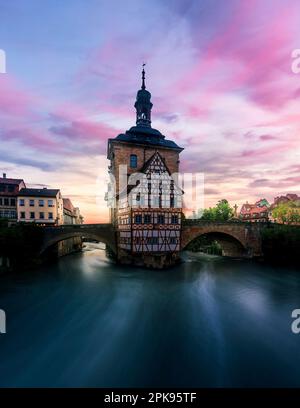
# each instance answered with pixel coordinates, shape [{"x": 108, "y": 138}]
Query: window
[
  {"x": 8, "y": 214},
  {"x": 50, "y": 203},
  {"x": 152, "y": 240},
  {"x": 50, "y": 216},
  {"x": 32, "y": 215},
  {"x": 6, "y": 201},
  {"x": 133, "y": 161},
  {"x": 21, "y": 202},
  {"x": 41, "y": 203},
  {"x": 155, "y": 201},
  {"x": 174, "y": 219},
  {"x": 13, "y": 214},
  {"x": 160, "y": 219},
  {"x": 172, "y": 201},
  {"x": 11, "y": 189},
  {"x": 147, "y": 219},
  {"x": 42, "y": 215},
  {"x": 138, "y": 219},
  {"x": 2, "y": 188},
  {"x": 1, "y": 201},
  {"x": 173, "y": 240},
  {"x": 13, "y": 202},
  {"x": 31, "y": 203},
  {"x": 22, "y": 214}
]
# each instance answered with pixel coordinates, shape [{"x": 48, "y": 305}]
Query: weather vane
[{"x": 143, "y": 77}]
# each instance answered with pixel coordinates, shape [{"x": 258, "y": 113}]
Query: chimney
[{"x": 4, "y": 175}]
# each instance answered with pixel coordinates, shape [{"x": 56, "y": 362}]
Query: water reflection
[{"x": 84, "y": 321}]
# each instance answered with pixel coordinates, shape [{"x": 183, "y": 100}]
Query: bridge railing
[
  {"x": 79, "y": 226},
  {"x": 229, "y": 222}
]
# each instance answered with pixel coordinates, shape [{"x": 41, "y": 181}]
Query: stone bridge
[
  {"x": 98, "y": 232},
  {"x": 235, "y": 238}
]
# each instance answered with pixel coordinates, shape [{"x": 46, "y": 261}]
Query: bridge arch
[
  {"x": 231, "y": 245},
  {"x": 238, "y": 238},
  {"x": 55, "y": 235}
]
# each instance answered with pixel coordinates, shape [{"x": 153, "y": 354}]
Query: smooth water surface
[{"x": 84, "y": 321}]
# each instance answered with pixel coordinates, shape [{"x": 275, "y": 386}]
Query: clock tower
[{"x": 145, "y": 200}]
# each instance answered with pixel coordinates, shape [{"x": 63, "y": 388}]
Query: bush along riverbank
[
  {"x": 18, "y": 246},
  {"x": 281, "y": 244}
]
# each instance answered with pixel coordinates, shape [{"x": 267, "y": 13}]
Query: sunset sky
[{"x": 219, "y": 73}]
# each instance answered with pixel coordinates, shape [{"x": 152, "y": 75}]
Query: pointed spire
[
  {"x": 143, "y": 104},
  {"x": 143, "y": 78}
]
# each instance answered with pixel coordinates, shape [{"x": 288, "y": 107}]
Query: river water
[{"x": 210, "y": 321}]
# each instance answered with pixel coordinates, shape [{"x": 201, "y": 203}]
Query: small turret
[{"x": 143, "y": 104}]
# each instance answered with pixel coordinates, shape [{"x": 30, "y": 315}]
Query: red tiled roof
[
  {"x": 252, "y": 209},
  {"x": 68, "y": 204}
]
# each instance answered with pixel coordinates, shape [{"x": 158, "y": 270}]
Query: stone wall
[
  {"x": 151, "y": 260},
  {"x": 69, "y": 246}
]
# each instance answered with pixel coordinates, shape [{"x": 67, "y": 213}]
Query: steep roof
[
  {"x": 251, "y": 209},
  {"x": 4, "y": 180},
  {"x": 68, "y": 204},
  {"x": 145, "y": 136},
  {"x": 38, "y": 192}
]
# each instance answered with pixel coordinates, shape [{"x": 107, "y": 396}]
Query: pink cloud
[
  {"x": 248, "y": 54},
  {"x": 32, "y": 138},
  {"x": 14, "y": 101}
]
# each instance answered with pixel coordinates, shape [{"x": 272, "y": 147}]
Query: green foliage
[
  {"x": 204, "y": 244},
  {"x": 20, "y": 243},
  {"x": 287, "y": 213},
  {"x": 281, "y": 243},
  {"x": 221, "y": 212}
]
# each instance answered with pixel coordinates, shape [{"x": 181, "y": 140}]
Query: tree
[
  {"x": 287, "y": 213},
  {"x": 221, "y": 212}
]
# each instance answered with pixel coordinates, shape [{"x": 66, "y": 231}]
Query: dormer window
[{"x": 133, "y": 161}]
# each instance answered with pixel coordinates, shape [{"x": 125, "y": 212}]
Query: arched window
[{"x": 133, "y": 161}]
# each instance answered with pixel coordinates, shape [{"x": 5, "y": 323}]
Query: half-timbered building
[{"x": 146, "y": 200}]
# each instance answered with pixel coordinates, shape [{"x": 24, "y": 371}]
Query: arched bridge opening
[
  {"x": 235, "y": 238},
  {"x": 54, "y": 236},
  {"x": 217, "y": 243}
]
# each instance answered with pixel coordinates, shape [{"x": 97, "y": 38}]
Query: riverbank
[
  {"x": 19, "y": 246},
  {"x": 280, "y": 244}
]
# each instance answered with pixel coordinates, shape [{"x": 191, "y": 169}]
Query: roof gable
[{"x": 155, "y": 165}]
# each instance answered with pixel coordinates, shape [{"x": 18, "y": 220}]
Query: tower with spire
[
  {"x": 143, "y": 104},
  {"x": 146, "y": 209}
]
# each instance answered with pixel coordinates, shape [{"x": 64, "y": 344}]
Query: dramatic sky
[{"x": 219, "y": 73}]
